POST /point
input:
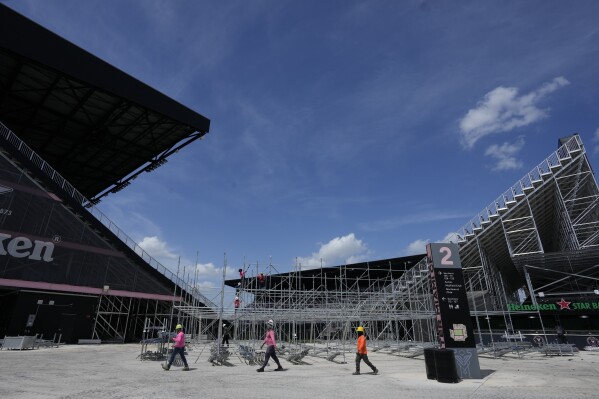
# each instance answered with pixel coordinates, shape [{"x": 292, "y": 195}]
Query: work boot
[
  {"x": 166, "y": 367},
  {"x": 375, "y": 371},
  {"x": 186, "y": 368},
  {"x": 356, "y": 373},
  {"x": 279, "y": 368},
  {"x": 260, "y": 370}
]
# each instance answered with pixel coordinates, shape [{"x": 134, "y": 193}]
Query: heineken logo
[
  {"x": 561, "y": 305},
  {"x": 23, "y": 247}
]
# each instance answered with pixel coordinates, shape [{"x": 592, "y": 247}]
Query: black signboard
[{"x": 454, "y": 326}]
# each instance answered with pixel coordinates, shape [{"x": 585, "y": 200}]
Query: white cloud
[
  {"x": 505, "y": 155},
  {"x": 416, "y": 247},
  {"x": 340, "y": 250},
  {"x": 208, "y": 269},
  {"x": 502, "y": 110},
  {"x": 419, "y": 246},
  {"x": 158, "y": 250}
]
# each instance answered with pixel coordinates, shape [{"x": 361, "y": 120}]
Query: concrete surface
[{"x": 115, "y": 371}]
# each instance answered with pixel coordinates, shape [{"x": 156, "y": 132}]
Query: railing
[
  {"x": 68, "y": 188},
  {"x": 519, "y": 189}
]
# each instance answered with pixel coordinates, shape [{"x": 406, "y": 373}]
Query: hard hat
[
  {"x": 236, "y": 298},
  {"x": 179, "y": 327},
  {"x": 360, "y": 329},
  {"x": 270, "y": 323}
]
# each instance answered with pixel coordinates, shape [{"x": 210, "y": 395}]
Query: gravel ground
[{"x": 115, "y": 371}]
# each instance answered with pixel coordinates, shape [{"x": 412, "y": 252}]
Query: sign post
[{"x": 454, "y": 326}]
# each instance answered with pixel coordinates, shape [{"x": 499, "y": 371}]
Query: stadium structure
[
  {"x": 74, "y": 129},
  {"x": 530, "y": 262}
]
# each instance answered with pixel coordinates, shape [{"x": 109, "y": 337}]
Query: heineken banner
[
  {"x": 41, "y": 240},
  {"x": 562, "y": 306},
  {"x": 454, "y": 326}
]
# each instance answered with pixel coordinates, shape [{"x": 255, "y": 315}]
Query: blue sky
[{"x": 341, "y": 131}]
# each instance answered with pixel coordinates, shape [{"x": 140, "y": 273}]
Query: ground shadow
[{"x": 486, "y": 373}]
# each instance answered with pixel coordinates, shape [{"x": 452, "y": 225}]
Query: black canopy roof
[{"x": 96, "y": 125}]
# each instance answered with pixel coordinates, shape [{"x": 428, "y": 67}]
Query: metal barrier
[{"x": 19, "y": 343}]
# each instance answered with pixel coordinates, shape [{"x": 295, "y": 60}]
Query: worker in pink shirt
[
  {"x": 261, "y": 280},
  {"x": 178, "y": 347},
  {"x": 269, "y": 340}
]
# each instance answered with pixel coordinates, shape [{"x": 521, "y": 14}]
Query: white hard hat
[{"x": 270, "y": 323}]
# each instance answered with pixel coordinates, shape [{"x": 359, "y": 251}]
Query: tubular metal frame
[{"x": 553, "y": 209}]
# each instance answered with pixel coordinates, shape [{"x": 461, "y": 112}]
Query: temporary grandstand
[
  {"x": 74, "y": 129},
  {"x": 531, "y": 249}
]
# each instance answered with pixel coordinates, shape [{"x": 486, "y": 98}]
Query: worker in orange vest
[{"x": 362, "y": 353}]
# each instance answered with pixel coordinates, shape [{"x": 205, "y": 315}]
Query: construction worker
[
  {"x": 362, "y": 353},
  {"x": 226, "y": 335},
  {"x": 178, "y": 347},
  {"x": 261, "y": 280},
  {"x": 561, "y": 334},
  {"x": 269, "y": 340}
]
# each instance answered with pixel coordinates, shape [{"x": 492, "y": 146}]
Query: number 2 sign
[
  {"x": 444, "y": 255},
  {"x": 446, "y": 260}
]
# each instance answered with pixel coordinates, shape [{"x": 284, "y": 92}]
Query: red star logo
[{"x": 563, "y": 304}]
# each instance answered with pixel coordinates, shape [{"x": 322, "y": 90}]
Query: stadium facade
[{"x": 74, "y": 129}]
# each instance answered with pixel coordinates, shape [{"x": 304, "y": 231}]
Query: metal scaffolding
[{"x": 544, "y": 225}]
